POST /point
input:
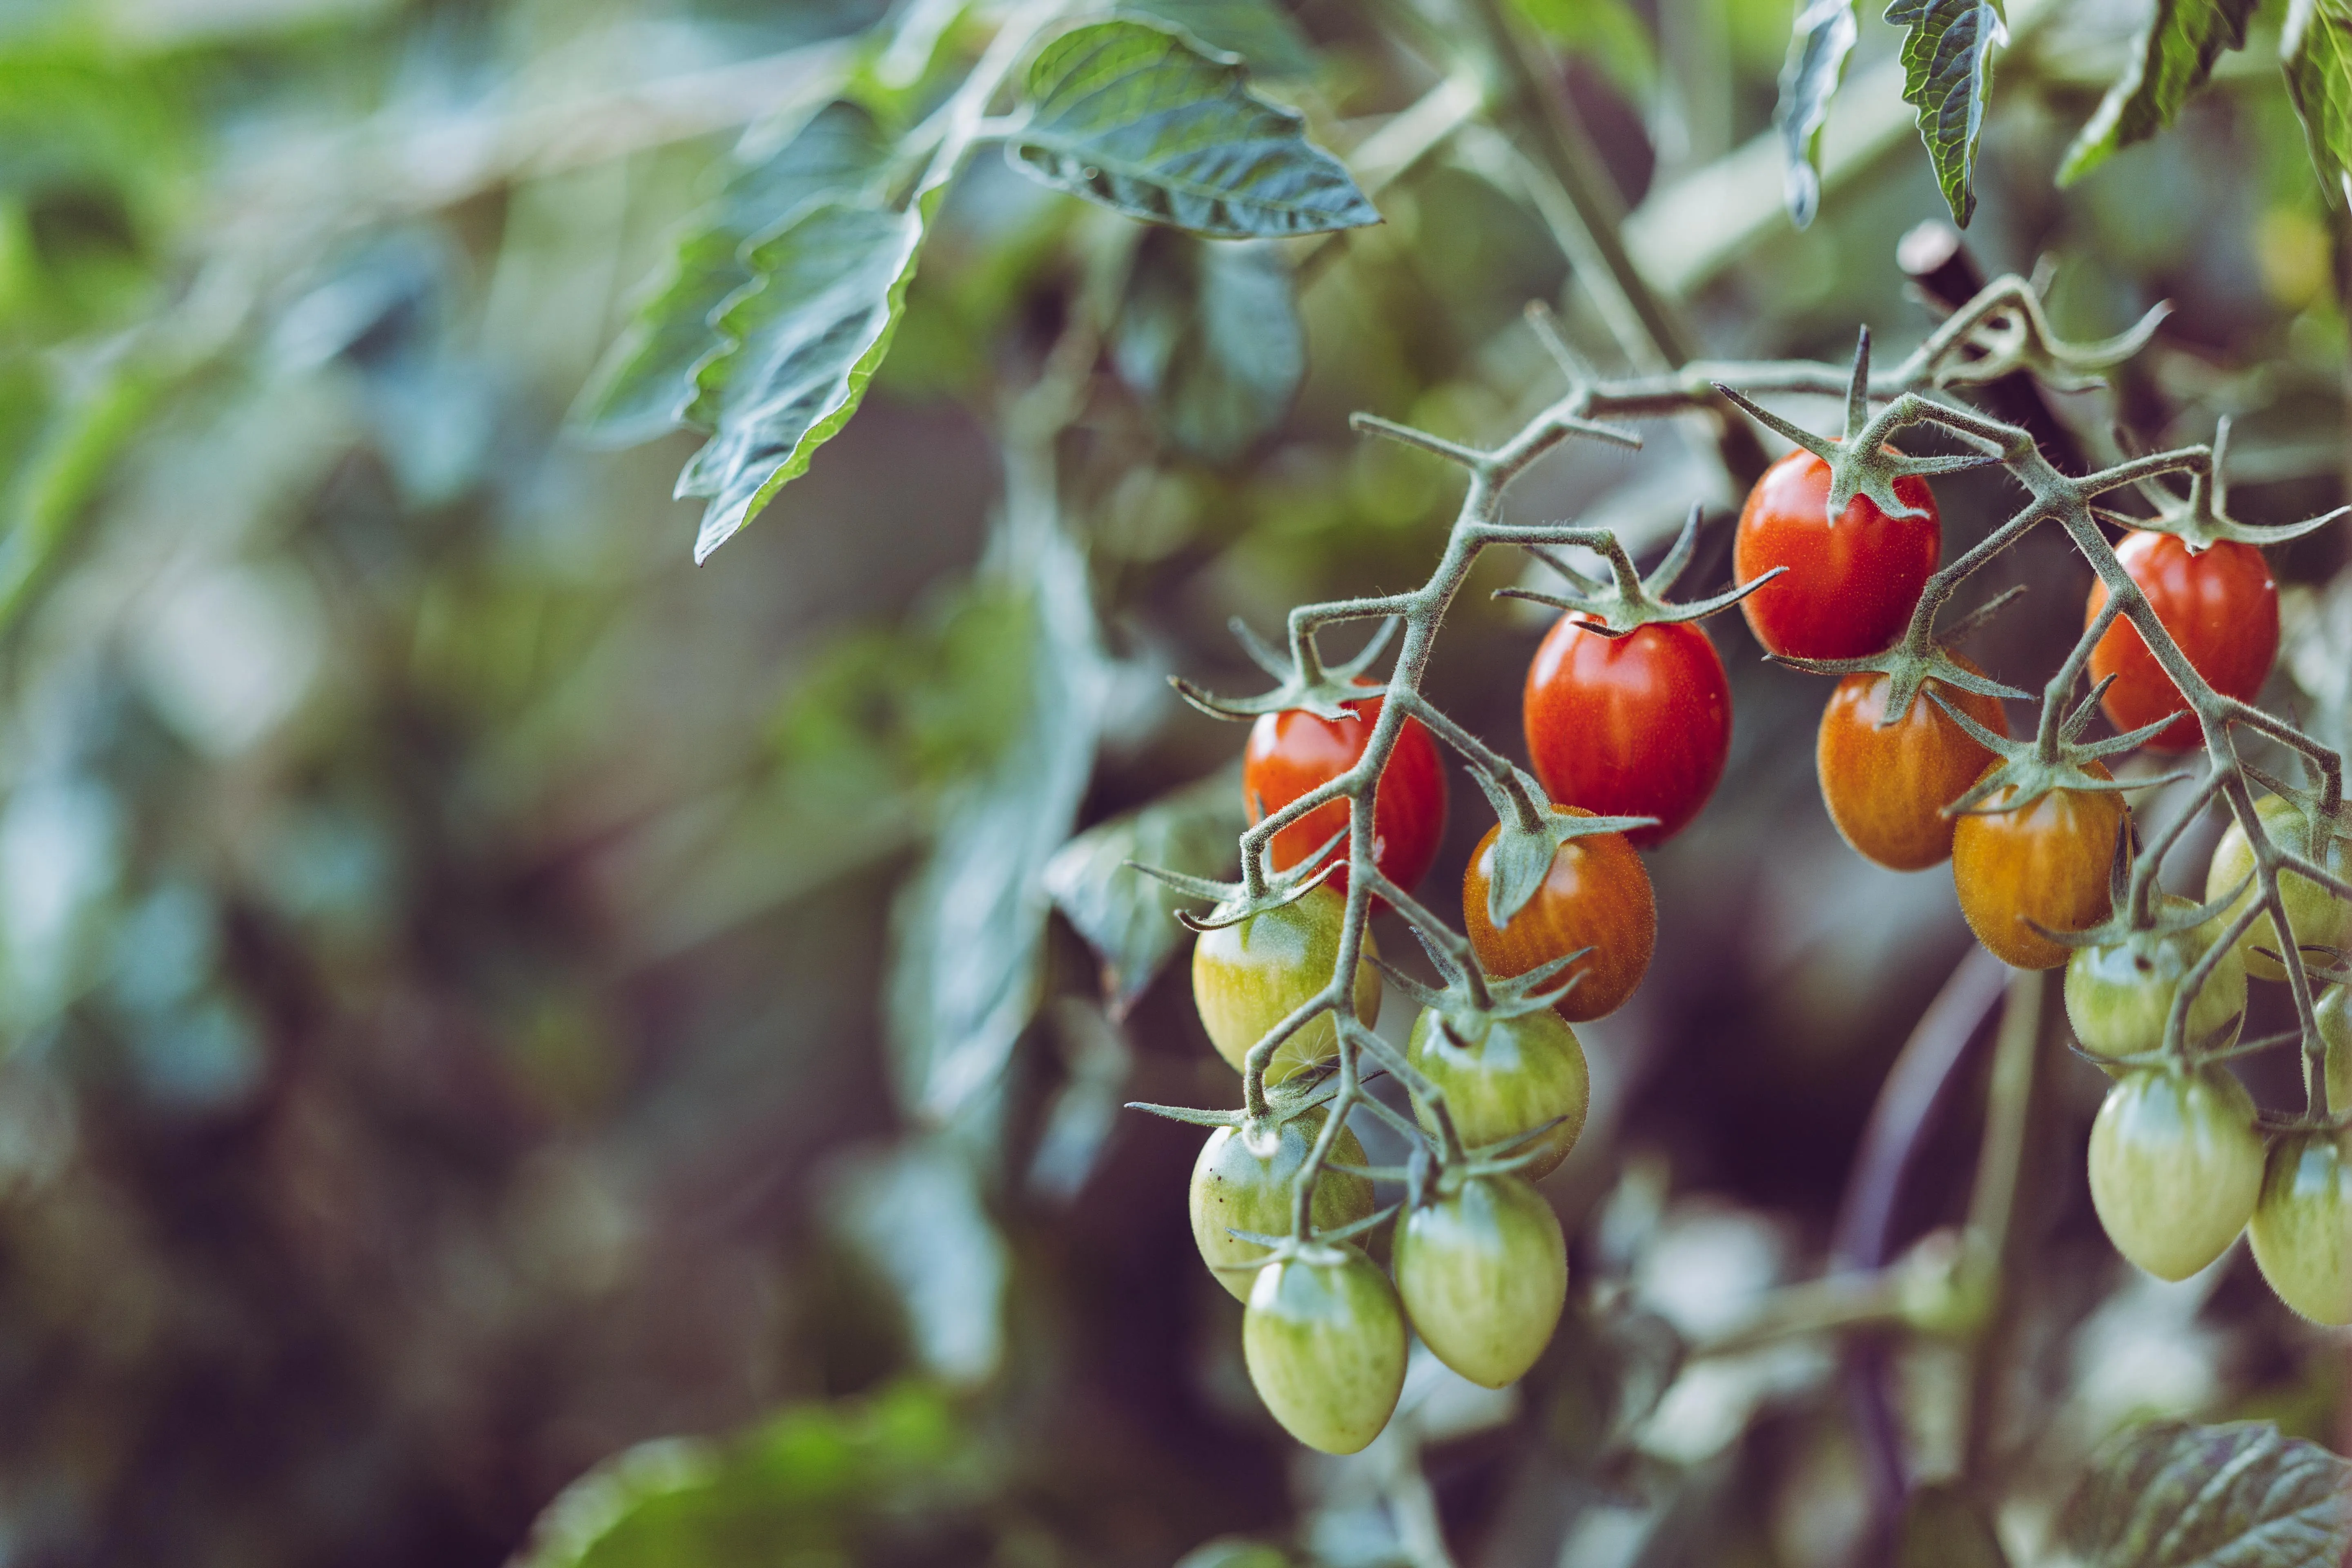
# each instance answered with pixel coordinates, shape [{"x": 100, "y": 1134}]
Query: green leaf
[
  {"x": 802, "y": 341},
  {"x": 2170, "y": 1495},
  {"x": 2172, "y": 59},
  {"x": 1607, "y": 32},
  {"x": 1129, "y": 114},
  {"x": 2316, "y": 50},
  {"x": 1818, "y": 47},
  {"x": 1127, "y": 917},
  {"x": 647, "y": 379},
  {"x": 1259, "y": 31},
  {"x": 1947, "y": 48},
  {"x": 1209, "y": 336}
]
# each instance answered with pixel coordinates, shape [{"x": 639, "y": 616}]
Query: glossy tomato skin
[
  {"x": 1632, "y": 726},
  {"x": 2317, "y": 917},
  {"x": 1324, "y": 1339},
  {"x": 1504, "y": 1075},
  {"x": 2334, "y": 1007},
  {"x": 1596, "y": 895},
  {"x": 2176, "y": 1167},
  {"x": 1292, "y": 752},
  {"x": 1251, "y": 975},
  {"x": 1850, "y": 589},
  {"x": 2220, "y": 606},
  {"x": 2120, "y": 993},
  {"x": 1886, "y": 788},
  {"x": 1483, "y": 1274},
  {"x": 1243, "y": 1180},
  {"x": 2045, "y": 862},
  {"x": 2302, "y": 1229}
]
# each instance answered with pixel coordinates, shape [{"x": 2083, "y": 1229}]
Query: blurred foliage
[{"x": 497, "y": 1026}]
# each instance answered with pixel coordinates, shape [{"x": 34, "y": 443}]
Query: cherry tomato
[
  {"x": 2302, "y": 1229},
  {"x": 1886, "y": 789},
  {"x": 1324, "y": 1339},
  {"x": 1251, "y": 975},
  {"x": 2045, "y": 862},
  {"x": 2333, "y": 1006},
  {"x": 1503, "y": 1075},
  {"x": 1483, "y": 1273},
  {"x": 1243, "y": 1180},
  {"x": 1850, "y": 588},
  {"x": 2175, "y": 1166},
  {"x": 2118, "y": 994},
  {"x": 1632, "y": 726},
  {"x": 1596, "y": 895},
  {"x": 2220, "y": 606},
  {"x": 1293, "y": 752},
  {"x": 2317, "y": 917}
]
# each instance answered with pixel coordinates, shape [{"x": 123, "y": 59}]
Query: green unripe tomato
[
  {"x": 1504, "y": 1077},
  {"x": 2175, "y": 1166},
  {"x": 2118, "y": 994},
  {"x": 1243, "y": 1180},
  {"x": 2302, "y": 1229},
  {"x": 1251, "y": 975},
  {"x": 2334, "y": 1008},
  {"x": 2314, "y": 915},
  {"x": 1325, "y": 1342},
  {"x": 1483, "y": 1273}
]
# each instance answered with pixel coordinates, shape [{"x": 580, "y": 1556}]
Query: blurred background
[{"x": 487, "y": 1008}]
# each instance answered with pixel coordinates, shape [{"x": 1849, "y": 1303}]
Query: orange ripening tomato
[
  {"x": 1596, "y": 895},
  {"x": 1632, "y": 726},
  {"x": 1886, "y": 788},
  {"x": 2220, "y": 606},
  {"x": 2045, "y": 862},
  {"x": 1850, "y": 589},
  {"x": 1293, "y": 752}
]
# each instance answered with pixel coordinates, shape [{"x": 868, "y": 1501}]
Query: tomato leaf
[
  {"x": 1818, "y": 47},
  {"x": 647, "y": 379},
  {"x": 2169, "y": 60},
  {"x": 1133, "y": 116},
  {"x": 1259, "y": 31},
  {"x": 1947, "y": 48},
  {"x": 2170, "y": 1495},
  {"x": 1209, "y": 336},
  {"x": 2317, "y": 51},
  {"x": 1129, "y": 919}
]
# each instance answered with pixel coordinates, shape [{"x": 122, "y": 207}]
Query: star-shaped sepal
[
  {"x": 1908, "y": 670},
  {"x": 2201, "y": 518},
  {"x": 1524, "y": 849},
  {"x": 1306, "y": 682},
  {"x": 2029, "y": 773},
  {"x": 1629, "y": 600},
  {"x": 1232, "y": 902}
]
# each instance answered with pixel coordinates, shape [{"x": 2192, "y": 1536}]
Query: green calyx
[
  {"x": 2201, "y": 520},
  {"x": 1321, "y": 1247},
  {"x": 1306, "y": 682},
  {"x": 1532, "y": 832},
  {"x": 2054, "y": 758},
  {"x": 1630, "y": 601},
  {"x": 1285, "y": 1102},
  {"x": 1861, "y": 463},
  {"x": 1232, "y": 902},
  {"x": 1909, "y": 667}
]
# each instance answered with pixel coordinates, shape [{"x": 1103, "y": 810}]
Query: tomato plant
[
  {"x": 1886, "y": 785},
  {"x": 1324, "y": 1339},
  {"x": 1249, "y": 975},
  {"x": 2044, "y": 863},
  {"x": 1504, "y": 1075},
  {"x": 2317, "y": 917},
  {"x": 1853, "y": 580},
  {"x": 1483, "y": 1272},
  {"x": 2221, "y": 608},
  {"x": 1596, "y": 895},
  {"x": 2120, "y": 993},
  {"x": 1294, "y": 752},
  {"x": 1633, "y": 725},
  {"x": 2302, "y": 1227},
  {"x": 1243, "y": 1180},
  {"x": 2175, "y": 1166}
]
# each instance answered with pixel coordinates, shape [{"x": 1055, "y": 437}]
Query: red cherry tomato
[
  {"x": 1292, "y": 752},
  {"x": 2220, "y": 606},
  {"x": 1850, "y": 589},
  {"x": 1630, "y": 726}
]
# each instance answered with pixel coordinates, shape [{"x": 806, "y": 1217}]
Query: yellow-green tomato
[
  {"x": 2175, "y": 1166},
  {"x": 2314, "y": 915},
  {"x": 2333, "y": 1006},
  {"x": 1483, "y": 1272},
  {"x": 1251, "y": 975},
  {"x": 1325, "y": 1342},
  {"x": 1502, "y": 1076},
  {"x": 2302, "y": 1230},
  {"x": 1243, "y": 1180},
  {"x": 2118, "y": 994}
]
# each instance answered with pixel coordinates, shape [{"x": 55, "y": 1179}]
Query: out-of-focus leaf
[
  {"x": 2170, "y": 1495},
  {"x": 1608, "y": 31},
  {"x": 1259, "y": 31},
  {"x": 2169, "y": 60},
  {"x": 1097, "y": 1062},
  {"x": 967, "y": 932},
  {"x": 1133, "y": 116},
  {"x": 1943, "y": 1527},
  {"x": 1127, "y": 917},
  {"x": 1234, "y": 1551},
  {"x": 914, "y": 1212},
  {"x": 1210, "y": 338},
  {"x": 1818, "y": 47},
  {"x": 804, "y": 1482},
  {"x": 2316, "y": 49},
  {"x": 646, "y": 380},
  {"x": 1947, "y": 48}
]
